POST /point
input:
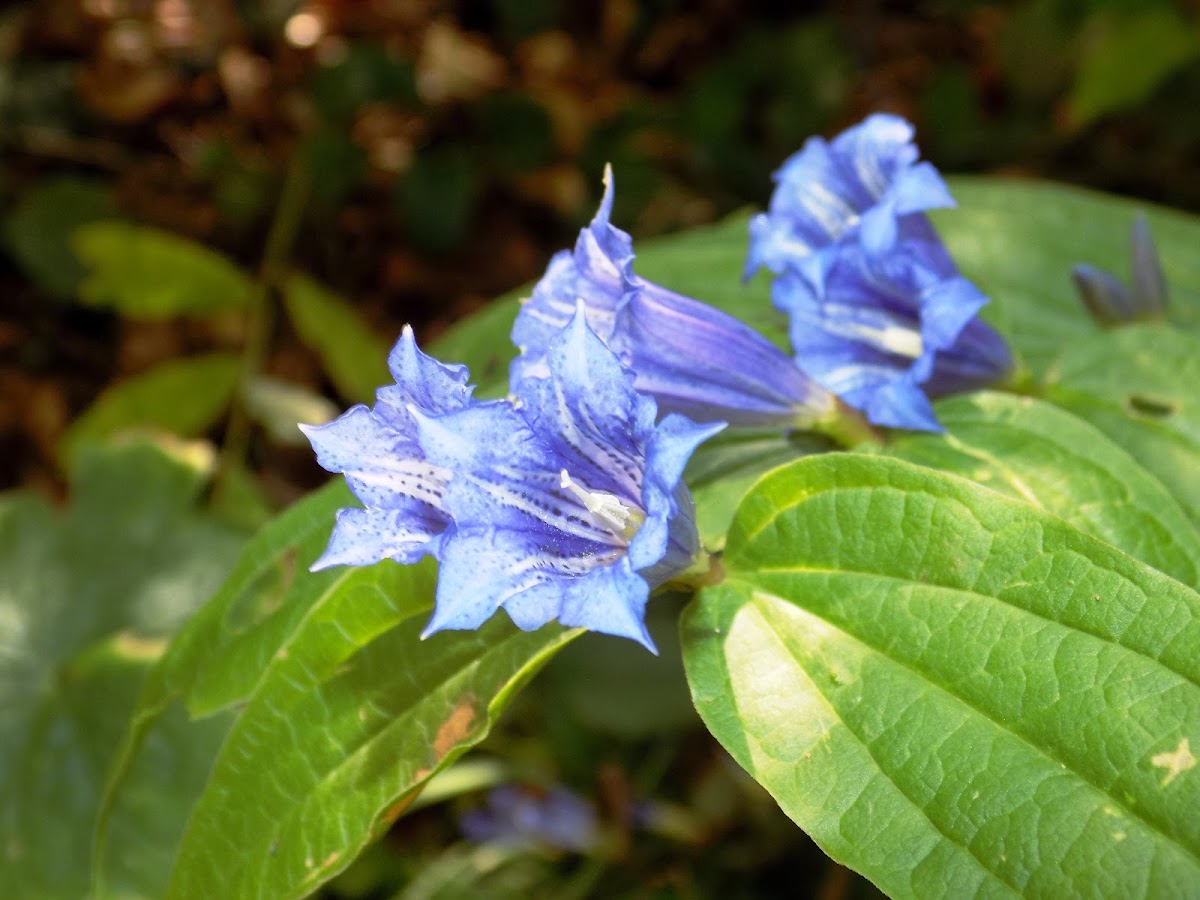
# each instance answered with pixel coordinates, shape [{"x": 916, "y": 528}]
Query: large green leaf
[
  {"x": 1137, "y": 385},
  {"x": 955, "y": 693},
  {"x": 146, "y": 273},
  {"x": 1018, "y": 239},
  {"x": 340, "y": 651},
  {"x": 87, "y": 599},
  {"x": 1037, "y": 452},
  {"x": 184, "y": 397}
]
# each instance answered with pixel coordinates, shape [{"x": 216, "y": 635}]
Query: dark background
[{"x": 448, "y": 149}]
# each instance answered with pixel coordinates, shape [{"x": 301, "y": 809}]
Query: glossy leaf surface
[{"x": 954, "y": 693}]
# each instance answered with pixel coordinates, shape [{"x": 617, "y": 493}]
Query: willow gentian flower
[
  {"x": 1109, "y": 300},
  {"x": 567, "y": 501},
  {"x": 861, "y": 183},
  {"x": 376, "y": 448},
  {"x": 880, "y": 315},
  {"x": 887, "y": 332},
  {"x": 691, "y": 357},
  {"x": 563, "y": 503}
]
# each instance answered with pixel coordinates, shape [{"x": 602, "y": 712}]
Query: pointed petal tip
[
  {"x": 603, "y": 215},
  {"x": 648, "y": 642}
]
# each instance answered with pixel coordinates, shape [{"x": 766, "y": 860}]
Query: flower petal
[
  {"x": 595, "y": 272},
  {"x": 588, "y": 412},
  {"x": 363, "y": 537},
  {"x": 865, "y": 178},
  {"x": 696, "y": 360}
]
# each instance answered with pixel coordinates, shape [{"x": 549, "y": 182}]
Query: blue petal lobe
[{"x": 363, "y": 537}]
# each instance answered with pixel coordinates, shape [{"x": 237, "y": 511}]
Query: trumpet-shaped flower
[
  {"x": 880, "y": 315},
  {"x": 564, "y": 503},
  {"x": 691, "y": 357},
  {"x": 568, "y": 503},
  {"x": 885, "y": 333}
]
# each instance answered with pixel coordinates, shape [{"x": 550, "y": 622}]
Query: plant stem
[
  {"x": 260, "y": 320},
  {"x": 705, "y": 570},
  {"x": 848, "y": 427}
]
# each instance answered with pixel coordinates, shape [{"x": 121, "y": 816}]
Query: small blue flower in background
[
  {"x": 564, "y": 503},
  {"x": 377, "y": 449},
  {"x": 1109, "y": 300},
  {"x": 522, "y": 817},
  {"x": 879, "y": 313},
  {"x": 691, "y": 357}
]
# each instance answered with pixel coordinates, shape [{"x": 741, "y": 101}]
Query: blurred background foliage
[
  {"x": 439, "y": 152},
  {"x": 218, "y": 214}
]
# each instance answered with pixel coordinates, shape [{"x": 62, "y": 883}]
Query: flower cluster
[
  {"x": 564, "y": 502},
  {"x": 879, "y": 313}
]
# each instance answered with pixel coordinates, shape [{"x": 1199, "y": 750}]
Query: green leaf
[
  {"x": 354, "y": 357},
  {"x": 1018, "y": 239},
  {"x": 282, "y": 406},
  {"x": 340, "y": 651},
  {"x": 721, "y": 471},
  {"x": 1036, "y": 452},
  {"x": 1127, "y": 56},
  {"x": 38, "y": 230},
  {"x": 87, "y": 600},
  {"x": 184, "y": 397},
  {"x": 382, "y": 710},
  {"x": 150, "y": 274},
  {"x": 955, "y": 693},
  {"x": 1136, "y": 384}
]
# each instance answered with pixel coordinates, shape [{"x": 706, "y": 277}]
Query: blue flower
[
  {"x": 404, "y": 518},
  {"x": 520, "y": 817},
  {"x": 887, "y": 332},
  {"x": 880, "y": 315},
  {"x": 568, "y": 502},
  {"x": 691, "y": 357},
  {"x": 859, "y": 183},
  {"x": 1109, "y": 300},
  {"x": 564, "y": 503}
]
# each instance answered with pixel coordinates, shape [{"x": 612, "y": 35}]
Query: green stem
[
  {"x": 848, "y": 427},
  {"x": 706, "y": 569},
  {"x": 260, "y": 319}
]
